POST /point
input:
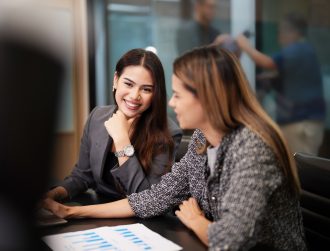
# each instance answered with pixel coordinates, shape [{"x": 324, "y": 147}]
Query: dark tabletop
[{"x": 168, "y": 226}]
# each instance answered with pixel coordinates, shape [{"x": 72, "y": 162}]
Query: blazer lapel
[{"x": 104, "y": 142}]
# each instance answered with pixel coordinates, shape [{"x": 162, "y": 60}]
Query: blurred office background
[{"x": 100, "y": 31}]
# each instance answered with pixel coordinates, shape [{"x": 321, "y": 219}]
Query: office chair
[
  {"x": 183, "y": 147},
  {"x": 314, "y": 174}
]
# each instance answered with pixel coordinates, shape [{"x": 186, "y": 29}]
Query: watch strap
[
  {"x": 123, "y": 152},
  {"x": 120, "y": 153}
]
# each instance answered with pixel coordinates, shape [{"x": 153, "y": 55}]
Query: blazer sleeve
[
  {"x": 81, "y": 177},
  {"x": 131, "y": 175}
]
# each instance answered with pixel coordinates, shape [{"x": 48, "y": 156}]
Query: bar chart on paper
[{"x": 126, "y": 237}]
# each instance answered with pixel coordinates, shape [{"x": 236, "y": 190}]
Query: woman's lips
[{"x": 132, "y": 105}]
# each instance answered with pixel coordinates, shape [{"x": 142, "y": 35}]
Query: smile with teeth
[{"x": 132, "y": 105}]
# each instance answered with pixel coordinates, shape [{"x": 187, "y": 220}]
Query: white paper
[{"x": 133, "y": 237}]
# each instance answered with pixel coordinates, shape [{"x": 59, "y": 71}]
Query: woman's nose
[
  {"x": 135, "y": 94},
  {"x": 170, "y": 102}
]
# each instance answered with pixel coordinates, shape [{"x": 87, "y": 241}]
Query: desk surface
[{"x": 167, "y": 226}]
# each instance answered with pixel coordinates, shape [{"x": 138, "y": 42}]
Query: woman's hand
[
  {"x": 57, "y": 193},
  {"x": 193, "y": 217},
  {"x": 118, "y": 126},
  {"x": 189, "y": 212},
  {"x": 56, "y": 208}
]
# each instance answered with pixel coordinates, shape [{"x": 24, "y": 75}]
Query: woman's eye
[
  {"x": 128, "y": 84},
  {"x": 147, "y": 90}
]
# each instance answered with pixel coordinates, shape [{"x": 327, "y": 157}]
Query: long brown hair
[
  {"x": 216, "y": 78},
  {"x": 151, "y": 135}
]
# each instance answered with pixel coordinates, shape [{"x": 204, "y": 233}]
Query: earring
[{"x": 115, "y": 79}]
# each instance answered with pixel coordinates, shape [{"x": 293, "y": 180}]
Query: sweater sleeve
[{"x": 170, "y": 191}]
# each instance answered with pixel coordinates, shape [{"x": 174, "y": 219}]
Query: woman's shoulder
[
  {"x": 244, "y": 136},
  {"x": 102, "y": 112}
]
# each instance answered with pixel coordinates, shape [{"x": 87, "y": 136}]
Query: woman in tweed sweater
[{"x": 237, "y": 186}]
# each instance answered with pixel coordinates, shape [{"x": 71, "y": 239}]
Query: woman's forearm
[
  {"x": 117, "y": 209},
  {"x": 200, "y": 227}
]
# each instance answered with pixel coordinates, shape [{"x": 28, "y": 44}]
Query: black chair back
[
  {"x": 314, "y": 174},
  {"x": 183, "y": 147}
]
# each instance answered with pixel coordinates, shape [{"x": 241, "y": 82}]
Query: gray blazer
[{"x": 94, "y": 147}]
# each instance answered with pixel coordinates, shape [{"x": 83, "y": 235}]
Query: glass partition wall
[
  {"x": 298, "y": 99},
  {"x": 296, "y": 35}
]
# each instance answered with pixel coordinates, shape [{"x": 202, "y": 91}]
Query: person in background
[
  {"x": 237, "y": 186},
  {"x": 300, "y": 101},
  {"x": 199, "y": 30},
  {"x": 127, "y": 147}
]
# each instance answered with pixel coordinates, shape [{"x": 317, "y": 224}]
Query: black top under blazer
[{"x": 94, "y": 148}]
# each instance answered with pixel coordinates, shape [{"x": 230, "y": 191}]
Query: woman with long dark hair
[{"x": 126, "y": 147}]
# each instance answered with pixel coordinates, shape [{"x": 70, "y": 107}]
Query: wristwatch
[{"x": 127, "y": 151}]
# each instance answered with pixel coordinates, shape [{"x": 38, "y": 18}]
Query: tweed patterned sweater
[{"x": 247, "y": 200}]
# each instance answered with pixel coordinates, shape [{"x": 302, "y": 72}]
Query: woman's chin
[
  {"x": 130, "y": 114},
  {"x": 183, "y": 126}
]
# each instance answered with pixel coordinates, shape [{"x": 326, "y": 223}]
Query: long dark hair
[
  {"x": 216, "y": 78},
  {"x": 151, "y": 135}
]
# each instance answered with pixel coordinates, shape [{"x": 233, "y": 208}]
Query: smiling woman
[{"x": 126, "y": 147}]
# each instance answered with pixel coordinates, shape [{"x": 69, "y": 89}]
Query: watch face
[{"x": 129, "y": 150}]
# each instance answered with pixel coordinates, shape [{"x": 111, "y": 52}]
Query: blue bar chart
[
  {"x": 89, "y": 241},
  {"x": 131, "y": 237},
  {"x": 134, "y": 237}
]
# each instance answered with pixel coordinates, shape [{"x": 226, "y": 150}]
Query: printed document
[{"x": 121, "y": 238}]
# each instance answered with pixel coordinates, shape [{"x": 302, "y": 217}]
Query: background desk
[{"x": 167, "y": 226}]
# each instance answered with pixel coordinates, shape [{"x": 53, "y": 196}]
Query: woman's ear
[{"x": 115, "y": 81}]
